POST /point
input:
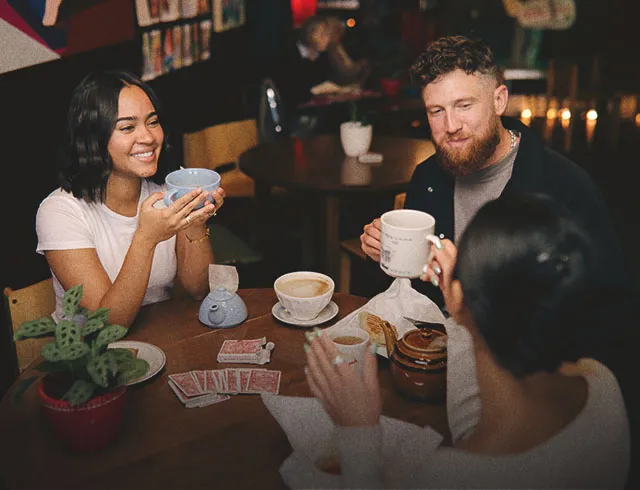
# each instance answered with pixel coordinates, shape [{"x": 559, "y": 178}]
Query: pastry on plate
[{"x": 373, "y": 324}]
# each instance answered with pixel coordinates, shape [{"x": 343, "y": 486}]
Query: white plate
[
  {"x": 149, "y": 352},
  {"x": 325, "y": 315}
]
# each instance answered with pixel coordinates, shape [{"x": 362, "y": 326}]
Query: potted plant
[
  {"x": 356, "y": 134},
  {"x": 84, "y": 384}
]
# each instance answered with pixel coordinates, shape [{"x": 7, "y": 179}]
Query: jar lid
[{"x": 424, "y": 343}]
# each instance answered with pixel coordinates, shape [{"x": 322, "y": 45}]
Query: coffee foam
[{"x": 307, "y": 287}]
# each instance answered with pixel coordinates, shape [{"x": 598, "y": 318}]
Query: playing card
[
  {"x": 206, "y": 400},
  {"x": 250, "y": 346},
  {"x": 264, "y": 381},
  {"x": 233, "y": 380},
  {"x": 196, "y": 400},
  {"x": 180, "y": 394},
  {"x": 210, "y": 385},
  {"x": 220, "y": 378},
  {"x": 244, "y": 374},
  {"x": 253, "y": 351},
  {"x": 186, "y": 382},
  {"x": 199, "y": 375}
]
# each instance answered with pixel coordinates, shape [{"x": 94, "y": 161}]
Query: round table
[
  {"x": 161, "y": 444},
  {"x": 318, "y": 165}
]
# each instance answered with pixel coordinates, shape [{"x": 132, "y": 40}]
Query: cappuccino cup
[
  {"x": 184, "y": 180},
  {"x": 304, "y": 294},
  {"x": 406, "y": 237}
]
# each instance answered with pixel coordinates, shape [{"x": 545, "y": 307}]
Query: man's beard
[{"x": 463, "y": 162}]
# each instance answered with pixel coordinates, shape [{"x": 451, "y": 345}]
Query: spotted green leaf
[
  {"x": 101, "y": 314},
  {"x": 71, "y": 300},
  {"x": 122, "y": 356},
  {"x": 35, "y": 328},
  {"x": 103, "y": 369},
  {"x": 51, "y": 352},
  {"x": 72, "y": 352},
  {"x": 136, "y": 368},
  {"x": 80, "y": 392},
  {"x": 92, "y": 326},
  {"x": 67, "y": 333},
  {"x": 108, "y": 334}
]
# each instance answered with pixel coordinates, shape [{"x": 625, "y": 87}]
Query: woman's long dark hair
[
  {"x": 524, "y": 268},
  {"x": 93, "y": 110}
]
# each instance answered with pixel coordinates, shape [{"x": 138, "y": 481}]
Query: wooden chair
[
  {"x": 219, "y": 147},
  {"x": 351, "y": 248},
  {"x": 29, "y": 303}
]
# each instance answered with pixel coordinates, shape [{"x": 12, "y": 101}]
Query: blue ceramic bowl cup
[{"x": 183, "y": 181}]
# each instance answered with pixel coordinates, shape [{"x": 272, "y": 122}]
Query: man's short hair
[{"x": 451, "y": 53}]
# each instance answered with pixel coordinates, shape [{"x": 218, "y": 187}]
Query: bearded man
[{"x": 481, "y": 155}]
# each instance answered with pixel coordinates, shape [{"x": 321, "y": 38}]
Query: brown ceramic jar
[{"x": 418, "y": 364}]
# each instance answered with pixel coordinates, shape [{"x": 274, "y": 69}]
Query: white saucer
[
  {"x": 149, "y": 352},
  {"x": 325, "y": 315}
]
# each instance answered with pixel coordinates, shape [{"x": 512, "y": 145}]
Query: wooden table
[
  {"x": 233, "y": 444},
  {"x": 318, "y": 165}
]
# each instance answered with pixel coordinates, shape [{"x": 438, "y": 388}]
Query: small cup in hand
[
  {"x": 352, "y": 343},
  {"x": 184, "y": 180}
]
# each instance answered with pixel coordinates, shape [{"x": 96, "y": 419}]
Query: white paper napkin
[
  {"x": 310, "y": 430},
  {"x": 400, "y": 300},
  {"x": 225, "y": 276}
]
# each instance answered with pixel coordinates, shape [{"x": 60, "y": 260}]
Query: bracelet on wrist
[{"x": 198, "y": 240}]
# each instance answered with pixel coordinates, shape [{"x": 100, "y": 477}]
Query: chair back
[
  {"x": 220, "y": 144},
  {"x": 29, "y": 303},
  {"x": 218, "y": 148}
]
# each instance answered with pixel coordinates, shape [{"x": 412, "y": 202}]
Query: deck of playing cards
[
  {"x": 200, "y": 388},
  {"x": 253, "y": 351}
]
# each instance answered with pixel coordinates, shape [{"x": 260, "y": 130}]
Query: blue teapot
[{"x": 222, "y": 309}]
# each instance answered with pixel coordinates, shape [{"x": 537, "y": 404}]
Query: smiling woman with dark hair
[
  {"x": 526, "y": 406},
  {"x": 103, "y": 227}
]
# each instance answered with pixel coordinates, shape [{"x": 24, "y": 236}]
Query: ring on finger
[
  {"x": 187, "y": 219},
  {"x": 338, "y": 360}
]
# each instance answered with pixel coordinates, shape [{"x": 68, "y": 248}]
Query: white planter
[{"x": 355, "y": 138}]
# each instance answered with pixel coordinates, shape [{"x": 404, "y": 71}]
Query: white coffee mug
[
  {"x": 406, "y": 237},
  {"x": 353, "y": 352}
]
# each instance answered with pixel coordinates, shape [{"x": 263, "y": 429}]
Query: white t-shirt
[{"x": 64, "y": 222}]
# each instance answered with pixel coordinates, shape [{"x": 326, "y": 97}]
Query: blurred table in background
[{"x": 318, "y": 166}]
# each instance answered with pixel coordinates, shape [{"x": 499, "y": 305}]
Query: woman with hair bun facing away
[{"x": 526, "y": 407}]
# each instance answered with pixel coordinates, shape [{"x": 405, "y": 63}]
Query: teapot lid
[
  {"x": 424, "y": 342},
  {"x": 221, "y": 294}
]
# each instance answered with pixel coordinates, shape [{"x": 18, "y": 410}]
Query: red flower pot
[
  {"x": 87, "y": 427},
  {"x": 390, "y": 86}
]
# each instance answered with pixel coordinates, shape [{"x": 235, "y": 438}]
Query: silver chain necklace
[{"x": 514, "y": 139}]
